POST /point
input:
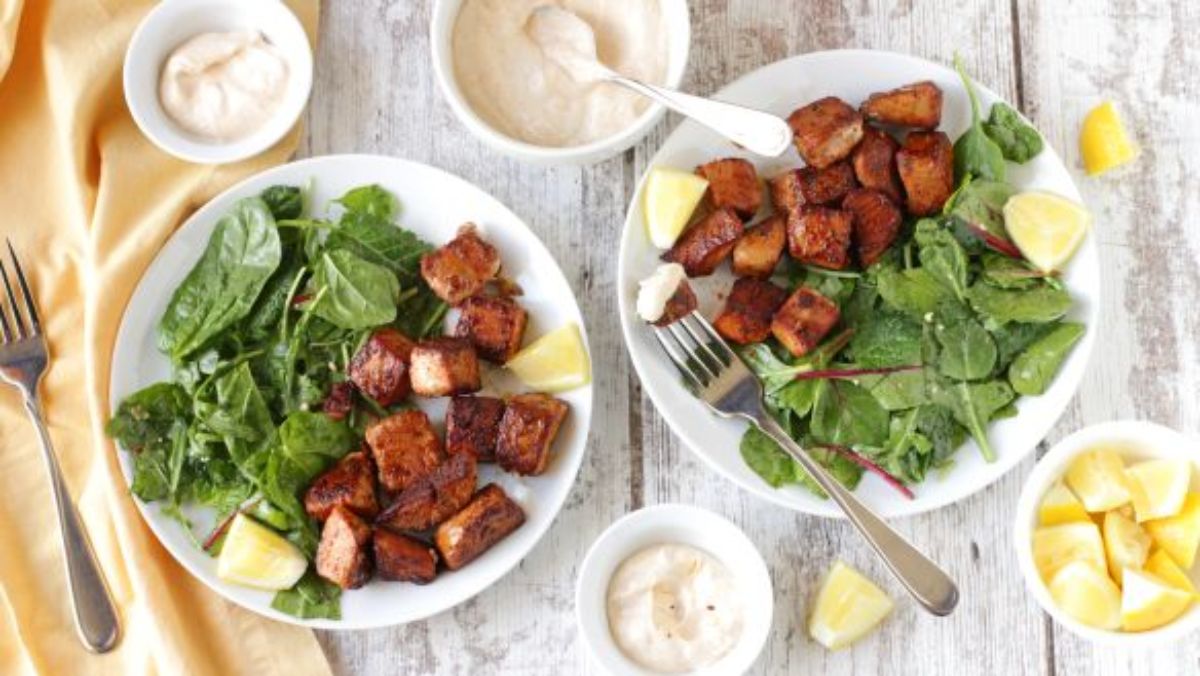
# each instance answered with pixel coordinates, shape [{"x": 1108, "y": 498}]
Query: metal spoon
[{"x": 569, "y": 41}]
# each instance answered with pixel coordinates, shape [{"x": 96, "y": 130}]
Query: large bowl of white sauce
[{"x": 509, "y": 95}]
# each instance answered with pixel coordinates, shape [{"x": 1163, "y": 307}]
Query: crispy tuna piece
[
  {"x": 434, "y": 498},
  {"x": 527, "y": 431},
  {"x": 758, "y": 252},
  {"x": 406, "y": 448},
  {"x": 488, "y": 519},
  {"x": 803, "y": 321},
  {"x": 350, "y": 484},
  {"x": 681, "y": 303},
  {"x": 809, "y": 186},
  {"x": 874, "y": 163},
  {"x": 404, "y": 559},
  {"x": 876, "y": 223},
  {"x": 380, "y": 367},
  {"x": 460, "y": 268},
  {"x": 825, "y": 130},
  {"x": 926, "y": 165},
  {"x": 820, "y": 236},
  {"x": 340, "y": 401},
  {"x": 444, "y": 366},
  {"x": 746, "y": 317},
  {"x": 473, "y": 425},
  {"x": 733, "y": 184},
  {"x": 917, "y": 105},
  {"x": 495, "y": 326},
  {"x": 342, "y": 556},
  {"x": 702, "y": 247}
]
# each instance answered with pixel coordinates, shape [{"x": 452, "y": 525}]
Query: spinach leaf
[
  {"x": 835, "y": 285},
  {"x": 369, "y": 202},
  {"x": 767, "y": 459},
  {"x": 847, "y": 415},
  {"x": 908, "y": 452},
  {"x": 420, "y": 314},
  {"x": 780, "y": 387},
  {"x": 285, "y": 202},
  {"x": 973, "y": 405},
  {"x": 157, "y": 467},
  {"x": 1019, "y": 141},
  {"x": 901, "y": 390},
  {"x": 980, "y": 203},
  {"x": 1040, "y": 304},
  {"x": 240, "y": 257},
  {"x": 311, "y": 597},
  {"x": 861, "y": 305},
  {"x": 314, "y": 440},
  {"x": 276, "y": 296},
  {"x": 967, "y": 350},
  {"x": 975, "y": 153},
  {"x": 147, "y": 416},
  {"x": 1012, "y": 339},
  {"x": 938, "y": 425},
  {"x": 1008, "y": 273},
  {"x": 238, "y": 415},
  {"x": 1033, "y": 370},
  {"x": 359, "y": 294},
  {"x": 914, "y": 291},
  {"x": 942, "y": 256},
  {"x": 886, "y": 339}
]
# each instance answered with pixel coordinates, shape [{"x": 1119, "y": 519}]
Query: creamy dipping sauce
[
  {"x": 674, "y": 608},
  {"x": 510, "y": 83},
  {"x": 223, "y": 86},
  {"x": 655, "y": 290}
]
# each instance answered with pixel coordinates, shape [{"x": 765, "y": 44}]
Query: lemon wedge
[
  {"x": 1103, "y": 142},
  {"x": 1087, "y": 594},
  {"x": 1047, "y": 228},
  {"x": 1161, "y": 565},
  {"x": 1060, "y": 506},
  {"x": 1159, "y": 487},
  {"x": 1149, "y": 603},
  {"x": 1056, "y": 546},
  {"x": 256, "y": 556},
  {"x": 848, "y": 607},
  {"x": 1126, "y": 545},
  {"x": 1179, "y": 535},
  {"x": 555, "y": 362},
  {"x": 671, "y": 197},
  {"x": 1098, "y": 478}
]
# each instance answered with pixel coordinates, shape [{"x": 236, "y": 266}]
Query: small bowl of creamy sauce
[
  {"x": 216, "y": 81},
  {"x": 674, "y": 589}
]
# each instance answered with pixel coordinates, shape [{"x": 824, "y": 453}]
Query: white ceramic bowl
[
  {"x": 173, "y": 22},
  {"x": 1141, "y": 441},
  {"x": 674, "y": 524},
  {"x": 445, "y": 13}
]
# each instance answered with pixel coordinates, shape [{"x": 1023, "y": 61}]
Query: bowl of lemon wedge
[{"x": 1107, "y": 532}]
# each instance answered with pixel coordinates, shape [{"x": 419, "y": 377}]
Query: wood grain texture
[{"x": 375, "y": 93}]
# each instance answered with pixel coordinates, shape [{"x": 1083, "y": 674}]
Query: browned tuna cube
[
  {"x": 350, "y": 484},
  {"x": 340, "y": 401},
  {"x": 746, "y": 317},
  {"x": 473, "y": 425},
  {"x": 527, "y": 432},
  {"x": 487, "y": 519},
  {"x": 342, "y": 556},
  {"x": 495, "y": 326},
  {"x": 404, "y": 559},
  {"x": 380, "y": 367},
  {"x": 876, "y": 223},
  {"x": 758, "y": 252},
  {"x": 680, "y": 304},
  {"x": 434, "y": 498},
  {"x": 702, "y": 247},
  {"x": 442, "y": 367},
  {"x": 917, "y": 105},
  {"x": 733, "y": 184},
  {"x": 926, "y": 164},
  {"x": 462, "y": 267},
  {"x": 809, "y": 186},
  {"x": 406, "y": 448},
  {"x": 803, "y": 320},
  {"x": 875, "y": 165},
  {"x": 820, "y": 236},
  {"x": 826, "y": 130}
]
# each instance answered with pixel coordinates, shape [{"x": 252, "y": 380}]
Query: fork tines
[
  {"x": 21, "y": 329},
  {"x": 696, "y": 349}
]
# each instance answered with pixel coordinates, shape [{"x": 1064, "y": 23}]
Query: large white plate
[
  {"x": 781, "y": 88},
  {"x": 433, "y": 204}
]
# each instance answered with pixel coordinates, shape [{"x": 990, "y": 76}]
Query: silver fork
[
  {"x": 728, "y": 387},
  {"x": 23, "y": 360}
]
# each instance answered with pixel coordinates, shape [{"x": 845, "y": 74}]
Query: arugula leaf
[
  {"x": 311, "y": 597},
  {"x": 942, "y": 256},
  {"x": 240, "y": 257},
  {"x": 846, "y": 414},
  {"x": 973, "y": 405},
  {"x": 147, "y": 416},
  {"x": 359, "y": 294},
  {"x": 1040, "y": 304},
  {"x": 285, "y": 202},
  {"x": 967, "y": 350},
  {"x": 886, "y": 339},
  {"x": 1033, "y": 370},
  {"x": 1018, "y": 140},
  {"x": 975, "y": 153}
]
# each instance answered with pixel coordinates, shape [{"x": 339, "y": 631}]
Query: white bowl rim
[
  {"x": 444, "y": 14},
  {"x": 620, "y": 540},
  {"x": 1152, "y": 440}
]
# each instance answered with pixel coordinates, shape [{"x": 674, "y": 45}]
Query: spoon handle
[{"x": 759, "y": 132}]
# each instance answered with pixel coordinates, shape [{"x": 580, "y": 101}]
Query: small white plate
[
  {"x": 674, "y": 524},
  {"x": 433, "y": 204},
  {"x": 780, "y": 88}
]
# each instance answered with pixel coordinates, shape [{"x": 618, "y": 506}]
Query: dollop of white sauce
[
  {"x": 655, "y": 290},
  {"x": 674, "y": 608},
  {"x": 517, "y": 89},
  {"x": 223, "y": 86}
]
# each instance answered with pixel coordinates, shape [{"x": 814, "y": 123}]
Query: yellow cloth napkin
[{"x": 88, "y": 201}]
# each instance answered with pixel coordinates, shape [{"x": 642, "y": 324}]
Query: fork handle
[
  {"x": 95, "y": 614},
  {"x": 932, "y": 587}
]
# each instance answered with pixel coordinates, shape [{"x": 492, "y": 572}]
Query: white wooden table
[{"x": 1055, "y": 58}]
